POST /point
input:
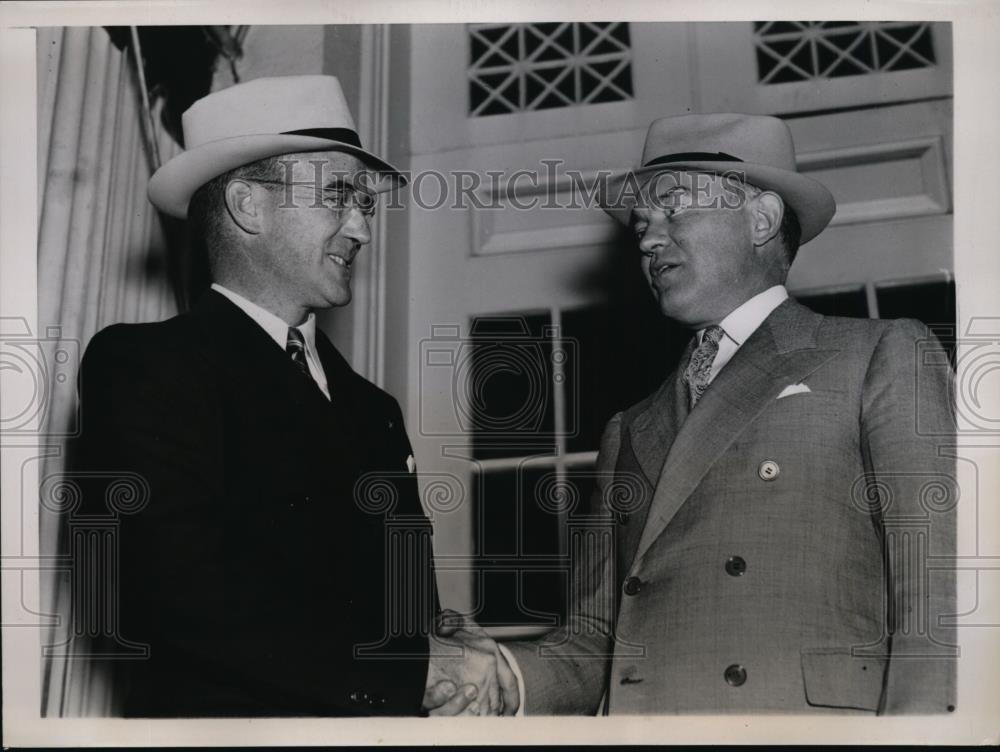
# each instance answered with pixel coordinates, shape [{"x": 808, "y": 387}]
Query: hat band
[
  {"x": 693, "y": 156},
  {"x": 344, "y": 135}
]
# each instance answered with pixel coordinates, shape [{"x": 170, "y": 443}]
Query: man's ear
[
  {"x": 243, "y": 206},
  {"x": 767, "y": 211}
]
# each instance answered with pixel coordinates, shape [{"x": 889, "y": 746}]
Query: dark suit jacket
[
  {"x": 282, "y": 564},
  {"x": 768, "y": 552}
]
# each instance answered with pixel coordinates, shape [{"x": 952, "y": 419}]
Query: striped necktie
[
  {"x": 699, "y": 370},
  {"x": 296, "y": 348}
]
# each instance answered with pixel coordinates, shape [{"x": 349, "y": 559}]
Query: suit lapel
[
  {"x": 781, "y": 351},
  {"x": 339, "y": 374},
  {"x": 257, "y": 366},
  {"x": 239, "y": 345},
  {"x": 653, "y": 430}
]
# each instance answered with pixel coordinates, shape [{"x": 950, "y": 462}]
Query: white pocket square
[
  {"x": 793, "y": 389},
  {"x": 411, "y": 464}
]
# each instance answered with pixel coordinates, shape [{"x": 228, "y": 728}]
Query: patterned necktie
[
  {"x": 699, "y": 370},
  {"x": 296, "y": 347}
]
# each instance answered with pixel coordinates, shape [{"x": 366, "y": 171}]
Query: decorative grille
[
  {"x": 525, "y": 67},
  {"x": 809, "y": 50}
]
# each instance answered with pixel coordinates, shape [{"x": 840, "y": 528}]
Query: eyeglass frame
[{"x": 367, "y": 212}]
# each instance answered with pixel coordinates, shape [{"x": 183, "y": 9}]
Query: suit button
[
  {"x": 768, "y": 470},
  {"x": 632, "y": 586},
  {"x": 735, "y": 566},
  {"x": 735, "y": 675}
]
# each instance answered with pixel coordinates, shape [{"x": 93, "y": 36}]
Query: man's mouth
[
  {"x": 340, "y": 261},
  {"x": 661, "y": 269}
]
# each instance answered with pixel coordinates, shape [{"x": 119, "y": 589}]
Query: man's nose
[
  {"x": 356, "y": 226},
  {"x": 655, "y": 238}
]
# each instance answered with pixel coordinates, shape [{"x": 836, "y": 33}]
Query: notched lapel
[
  {"x": 782, "y": 350},
  {"x": 254, "y": 362},
  {"x": 338, "y": 373},
  {"x": 653, "y": 430},
  {"x": 630, "y": 527}
]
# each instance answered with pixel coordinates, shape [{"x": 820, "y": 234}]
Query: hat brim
[
  {"x": 171, "y": 187},
  {"x": 812, "y": 201}
]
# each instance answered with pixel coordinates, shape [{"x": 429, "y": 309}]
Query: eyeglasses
[{"x": 337, "y": 198}]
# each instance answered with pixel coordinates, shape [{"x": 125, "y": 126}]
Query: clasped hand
[{"x": 467, "y": 674}]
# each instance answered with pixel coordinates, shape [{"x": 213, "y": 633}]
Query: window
[
  {"x": 851, "y": 302},
  {"x": 931, "y": 301},
  {"x": 521, "y": 416},
  {"x": 526, "y": 67},
  {"x": 808, "y": 50},
  {"x": 540, "y": 387},
  {"x": 511, "y": 389}
]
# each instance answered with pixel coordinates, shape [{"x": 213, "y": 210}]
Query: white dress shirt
[
  {"x": 742, "y": 322},
  {"x": 277, "y": 329},
  {"x": 737, "y": 328}
]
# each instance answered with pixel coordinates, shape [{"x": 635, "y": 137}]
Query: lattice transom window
[
  {"x": 808, "y": 50},
  {"x": 525, "y": 67}
]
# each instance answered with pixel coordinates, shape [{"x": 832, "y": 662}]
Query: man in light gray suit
[{"x": 782, "y": 547}]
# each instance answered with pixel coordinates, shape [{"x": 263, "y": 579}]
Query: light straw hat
[
  {"x": 262, "y": 118},
  {"x": 757, "y": 148}
]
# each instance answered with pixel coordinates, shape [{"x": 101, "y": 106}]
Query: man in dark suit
[
  {"x": 282, "y": 564},
  {"x": 786, "y": 542}
]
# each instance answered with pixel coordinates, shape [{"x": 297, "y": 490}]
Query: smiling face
[
  {"x": 312, "y": 228},
  {"x": 696, "y": 236}
]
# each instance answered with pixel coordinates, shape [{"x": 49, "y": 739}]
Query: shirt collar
[
  {"x": 745, "y": 319},
  {"x": 276, "y": 328}
]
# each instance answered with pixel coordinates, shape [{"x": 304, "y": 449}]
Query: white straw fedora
[
  {"x": 262, "y": 118},
  {"x": 758, "y": 148}
]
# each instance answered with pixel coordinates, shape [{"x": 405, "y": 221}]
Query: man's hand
[
  {"x": 463, "y": 654},
  {"x": 444, "y": 698}
]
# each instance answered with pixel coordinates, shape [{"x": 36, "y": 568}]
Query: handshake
[{"x": 467, "y": 673}]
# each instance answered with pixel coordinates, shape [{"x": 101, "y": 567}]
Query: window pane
[
  {"x": 495, "y": 495},
  {"x": 590, "y": 381},
  {"x": 506, "y": 392},
  {"x": 525, "y": 67},
  {"x": 518, "y": 547},
  {"x": 844, "y": 303},
  {"x": 813, "y": 50},
  {"x": 582, "y": 480},
  {"x": 930, "y": 302},
  {"x": 622, "y": 357}
]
